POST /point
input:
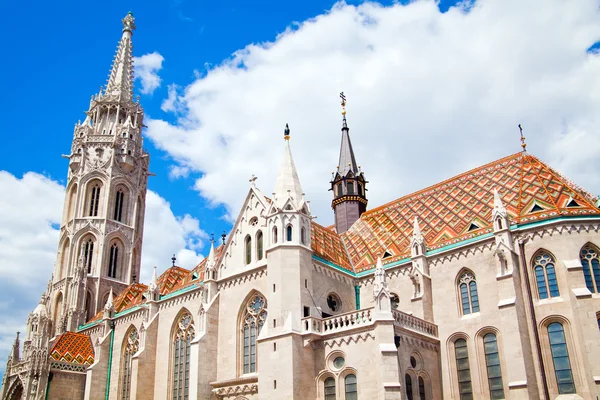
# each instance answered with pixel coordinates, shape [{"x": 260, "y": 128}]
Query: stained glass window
[
  {"x": 492, "y": 362},
  {"x": 468, "y": 293},
  {"x": 463, "y": 369},
  {"x": 131, "y": 346},
  {"x": 248, "y": 253},
  {"x": 591, "y": 267},
  {"x": 560, "y": 358},
  {"x": 181, "y": 357},
  {"x": 545, "y": 276},
  {"x": 254, "y": 318}
]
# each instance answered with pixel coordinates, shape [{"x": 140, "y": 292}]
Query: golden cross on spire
[
  {"x": 523, "y": 144},
  {"x": 343, "y": 97}
]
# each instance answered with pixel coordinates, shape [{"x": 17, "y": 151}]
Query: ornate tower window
[
  {"x": 248, "y": 250},
  {"x": 591, "y": 267},
  {"x": 545, "y": 275},
  {"x": 184, "y": 333},
  {"x": 560, "y": 358},
  {"x": 130, "y": 347},
  {"x": 255, "y": 315},
  {"x": 113, "y": 261},
  {"x": 288, "y": 233},
  {"x": 464, "y": 371},
  {"x": 303, "y": 235},
  {"x": 492, "y": 363},
  {"x": 468, "y": 293},
  {"x": 259, "y": 245},
  {"x": 88, "y": 254},
  {"x": 119, "y": 200},
  {"x": 94, "y": 199}
]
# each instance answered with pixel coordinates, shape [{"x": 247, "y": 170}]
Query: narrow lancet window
[
  {"x": 248, "y": 250},
  {"x": 113, "y": 261},
  {"x": 351, "y": 387},
  {"x": 88, "y": 253},
  {"x": 463, "y": 369},
  {"x": 119, "y": 199},
  {"x": 94, "y": 200},
  {"x": 560, "y": 358},
  {"x": 492, "y": 362},
  {"x": 259, "y": 245},
  {"x": 130, "y": 347}
]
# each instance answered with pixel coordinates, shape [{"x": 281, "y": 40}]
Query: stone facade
[{"x": 500, "y": 302}]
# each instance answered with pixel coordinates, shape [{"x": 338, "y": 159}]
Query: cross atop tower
[
  {"x": 173, "y": 259},
  {"x": 523, "y": 144}
]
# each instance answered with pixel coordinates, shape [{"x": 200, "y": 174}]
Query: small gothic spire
[
  {"x": 287, "y": 183},
  {"x": 523, "y": 144},
  {"x": 14, "y": 354},
  {"x": 109, "y": 306},
  {"x": 211, "y": 255},
  {"x": 154, "y": 282},
  {"x": 120, "y": 80},
  {"x": 347, "y": 162}
]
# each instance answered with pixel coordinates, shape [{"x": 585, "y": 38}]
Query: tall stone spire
[
  {"x": 348, "y": 183},
  {"x": 287, "y": 185},
  {"x": 120, "y": 80}
]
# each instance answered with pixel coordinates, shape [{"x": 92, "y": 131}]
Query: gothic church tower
[
  {"x": 103, "y": 218},
  {"x": 348, "y": 184}
]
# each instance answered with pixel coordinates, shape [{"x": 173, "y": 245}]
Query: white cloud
[
  {"x": 429, "y": 96},
  {"x": 30, "y": 211},
  {"x": 166, "y": 234},
  {"x": 146, "y": 69},
  {"x": 171, "y": 104}
]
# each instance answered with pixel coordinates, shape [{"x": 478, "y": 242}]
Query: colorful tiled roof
[
  {"x": 131, "y": 296},
  {"x": 458, "y": 209},
  {"x": 73, "y": 347},
  {"x": 172, "y": 279},
  {"x": 199, "y": 269},
  {"x": 328, "y": 245}
]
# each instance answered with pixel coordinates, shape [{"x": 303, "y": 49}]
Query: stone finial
[
  {"x": 417, "y": 242},
  {"x": 129, "y": 22},
  {"x": 109, "y": 306}
]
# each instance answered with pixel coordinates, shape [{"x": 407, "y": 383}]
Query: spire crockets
[
  {"x": 120, "y": 80},
  {"x": 287, "y": 185},
  {"x": 348, "y": 183}
]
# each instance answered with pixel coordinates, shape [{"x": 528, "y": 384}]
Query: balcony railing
[{"x": 413, "y": 323}]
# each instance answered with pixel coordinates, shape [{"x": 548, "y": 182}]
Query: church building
[{"x": 483, "y": 286}]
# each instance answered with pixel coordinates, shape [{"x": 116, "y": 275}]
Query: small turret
[{"x": 348, "y": 183}]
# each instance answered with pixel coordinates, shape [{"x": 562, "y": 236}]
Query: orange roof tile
[
  {"x": 327, "y": 244},
  {"x": 447, "y": 210},
  {"x": 74, "y": 348},
  {"x": 131, "y": 296},
  {"x": 171, "y": 279}
]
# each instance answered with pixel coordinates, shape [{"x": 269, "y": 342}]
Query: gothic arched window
[
  {"x": 113, "y": 261},
  {"x": 131, "y": 345},
  {"x": 463, "y": 370},
  {"x": 492, "y": 363},
  {"x": 255, "y": 315},
  {"x": 560, "y": 358},
  {"x": 303, "y": 235},
  {"x": 288, "y": 233},
  {"x": 88, "y": 254},
  {"x": 329, "y": 388},
  {"x": 421, "y": 388},
  {"x": 350, "y": 387},
  {"x": 94, "y": 199},
  {"x": 259, "y": 245},
  {"x": 248, "y": 250},
  {"x": 184, "y": 333},
  {"x": 468, "y": 293},
  {"x": 274, "y": 234},
  {"x": 591, "y": 267},
  {"x": 119, "y": 204},
  {"x": 409, "y": 388},
  {"x": 545, "y": 275}
]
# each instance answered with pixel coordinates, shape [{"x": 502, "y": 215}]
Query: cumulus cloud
[
  {"x": 430, "y": 95},
  {"x": 30, "y": 213},
  {"x": 146, "y": 70}
]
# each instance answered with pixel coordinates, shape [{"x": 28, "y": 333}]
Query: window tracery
[
  {"x": 131, "y": 346},
  {"x": 255, "y": 315},
  {"x": 468, "y": 293},
  {"x": 591, "y": 267},
  {"x": 545, "y": 276},
  {"x": 182, "y": 339},
  {"x": 94, "y": 200},
  {"x": 113, "y": 261}
]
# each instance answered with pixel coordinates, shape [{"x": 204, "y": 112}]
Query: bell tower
[
  {"x": 102, "y": 225},
  {"x": 348, "y": 183}
]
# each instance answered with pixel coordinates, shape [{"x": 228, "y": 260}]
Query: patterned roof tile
[{"x": 74, "y": 348}]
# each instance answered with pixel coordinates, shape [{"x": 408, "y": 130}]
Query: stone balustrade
[
  {"x": 415, "y": 324},
  {"x": 338, "y": 322}
]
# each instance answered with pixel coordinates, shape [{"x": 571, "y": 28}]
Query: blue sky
[{"x": 433, "y": 90}]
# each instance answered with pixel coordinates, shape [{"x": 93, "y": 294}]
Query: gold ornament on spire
[
  {"x": 343, "y": 97},
  {"x": 523, "y": 144}
]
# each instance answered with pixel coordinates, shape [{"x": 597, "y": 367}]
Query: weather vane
[
  {"x": 523, "y": 144},
  {"x": 212, "y": 238},
  {"x": 343, "y": 97}
]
